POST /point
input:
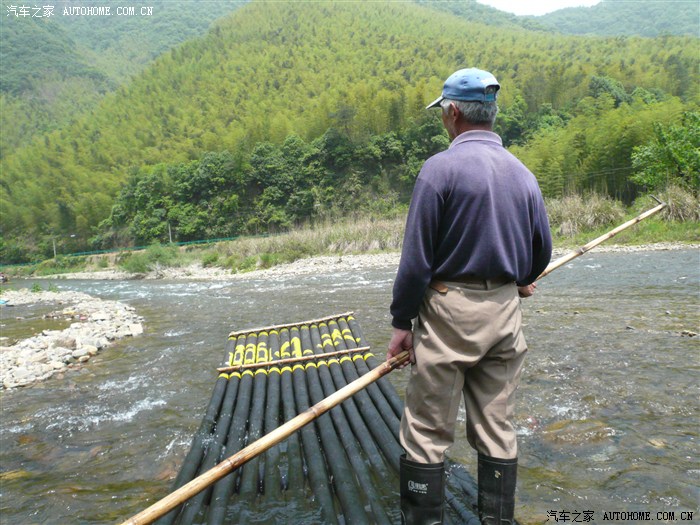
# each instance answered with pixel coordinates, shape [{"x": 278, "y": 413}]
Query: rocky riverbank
[
  {"x": 319, "y": 264},
  {"x": 96, "y": 324}
]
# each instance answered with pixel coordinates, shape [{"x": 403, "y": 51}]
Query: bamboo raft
[{"x": 343, "y": 467}]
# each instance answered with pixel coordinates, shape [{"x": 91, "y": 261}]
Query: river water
[{"x": 607, "y": 411}]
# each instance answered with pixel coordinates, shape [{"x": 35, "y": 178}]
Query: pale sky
[{"x": 536, "y": 7}]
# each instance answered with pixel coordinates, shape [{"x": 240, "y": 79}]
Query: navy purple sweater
[{"x": 476, "y": 211}]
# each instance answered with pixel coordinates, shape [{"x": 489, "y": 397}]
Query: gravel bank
[
  {"x": 97, "y": 324},
  {"x": 320, "y": 264}
]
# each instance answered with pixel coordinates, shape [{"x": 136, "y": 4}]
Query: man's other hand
[{"x": 527, "y": 291}]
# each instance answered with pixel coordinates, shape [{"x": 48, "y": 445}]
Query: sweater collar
[{"x": 477, "y": 135}]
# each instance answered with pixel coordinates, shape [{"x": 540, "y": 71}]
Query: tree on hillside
[
  {"x": 671, "y": 157},
  {"x": 599, "y": 86}
]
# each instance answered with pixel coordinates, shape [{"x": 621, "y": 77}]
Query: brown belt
[{"x": 470, "y": 282}]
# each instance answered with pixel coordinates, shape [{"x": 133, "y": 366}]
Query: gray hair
[{"x": 474, "y": 112}]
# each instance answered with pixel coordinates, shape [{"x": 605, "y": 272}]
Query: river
[{"x": 607, "y": 411}]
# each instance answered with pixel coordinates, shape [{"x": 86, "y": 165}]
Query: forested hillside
[
  {"x": 45, "y": 80},
  {"x": 122, "y": 46},
  {"x": 624, "y": 18},
  {"x": 55, "y": 68},
  {"x": 287, "y": 110}
]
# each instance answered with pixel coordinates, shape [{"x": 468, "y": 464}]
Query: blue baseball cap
[{"x": 468, "y": 85}]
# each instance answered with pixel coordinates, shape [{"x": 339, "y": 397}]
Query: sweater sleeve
[
  {"x": 541, "y": 243},
  {"x": 415, "y": 267}
]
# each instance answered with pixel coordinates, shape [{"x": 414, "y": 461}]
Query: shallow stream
[{"x": 607, "y": 412}]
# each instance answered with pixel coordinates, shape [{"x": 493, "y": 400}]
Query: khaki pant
[{"x": 468, "y": 341}]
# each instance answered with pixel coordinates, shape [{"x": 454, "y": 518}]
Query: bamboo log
[
  {"x": 333, "y": 379},
  {"x": 385, "y": 386},
  {"x": 249, "y": 475},
  {"x": 320, "y": 386},
  {"x": 197, "y": 449},
  {"x": 385, "y": 436},
  {"x": 272, "y": 481},
  {"x": 595, "y": 242},
  {"x": 351, "y": 371},
  {"x": 233, "y": 462},
  {"x": 317, "y": 465},
  {"x": 295, "y": 471},
  {"x": 206, "y": 458},
  {"x": 221, "y": 492}
]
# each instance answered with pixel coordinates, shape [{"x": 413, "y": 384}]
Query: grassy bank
[{"x": 574, "y": 221}]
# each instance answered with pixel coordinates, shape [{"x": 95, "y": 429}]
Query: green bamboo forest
[
  {"x": 266, "y": 115},
  {"x": 57, "y": 67}
]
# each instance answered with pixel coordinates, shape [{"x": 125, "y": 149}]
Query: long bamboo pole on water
[
  {"x": 316, "y": 467},
  {"x": 320, "y": 443},
  {"x": 345, "y": 373},
  {"x": 352, "y": 370},
  {"x": 235, "y": 437},
  {"x": 595, "y": 242},
  {"x": 231, "y": 463},
  {"x": 386, "y": 387}
]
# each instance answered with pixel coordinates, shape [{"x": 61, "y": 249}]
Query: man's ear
[{"x": 452, "y": 111}]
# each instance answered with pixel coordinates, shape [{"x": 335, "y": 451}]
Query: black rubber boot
[
  {"x": 422, "y": 488},
  {"x": 496, "y": 498}
]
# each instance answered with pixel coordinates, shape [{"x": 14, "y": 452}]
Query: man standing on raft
[{"x": 477, "y": 237}]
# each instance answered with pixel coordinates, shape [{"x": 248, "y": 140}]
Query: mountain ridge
[{"x": 648, "y": 18}]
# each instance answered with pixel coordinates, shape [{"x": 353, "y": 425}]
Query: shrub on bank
[
  {"x": 573, "y": 214},
  {"x": 59, "y": 264},
  {"x": 683, "y": 206},
  {"x": 152, "y": 258}
]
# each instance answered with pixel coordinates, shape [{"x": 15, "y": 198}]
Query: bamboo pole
[
  {"x": 249, "y": 475},
  {"x": 323, "y": 454},
  {"x": 235, "y": 438},
  {"x": 295, "y": 469},
  {"x": 289, "y": 325},
  {"x": 317, "y": 469},
  {"x": 210, "y": 444},
  {"x": 233, "y": 462},
  {"x": 595, "y": 242}
]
